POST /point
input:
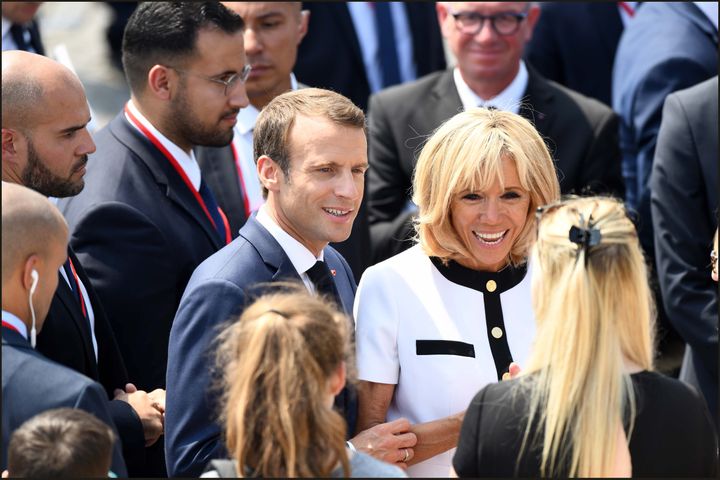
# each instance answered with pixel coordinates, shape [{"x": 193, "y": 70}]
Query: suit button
[
  {"x": 491, "y": 286},
  {"x": 496, "y": 332}
]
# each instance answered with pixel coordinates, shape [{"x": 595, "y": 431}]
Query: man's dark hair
[
  {"x": 63, "y": 442},
  {"x": 166, "y": 33}
]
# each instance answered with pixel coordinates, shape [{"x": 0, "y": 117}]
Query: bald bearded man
[{"x": 45, "y": 147}]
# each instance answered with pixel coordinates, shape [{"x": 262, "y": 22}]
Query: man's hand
[
  {"x": 158, "y": 399},
  {"x": 152, "y": 418},
  {"x": 390, "y": 442}
]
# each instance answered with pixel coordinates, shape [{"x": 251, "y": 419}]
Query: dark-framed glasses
[
  {"x": 229, "y": 83},
  {"x": 471, "y": 23}
]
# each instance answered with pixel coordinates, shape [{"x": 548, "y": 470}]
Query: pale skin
[{"x": 327, "y": 167}]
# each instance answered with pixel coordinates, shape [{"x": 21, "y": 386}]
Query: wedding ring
[{"x": 407, "y": 455}]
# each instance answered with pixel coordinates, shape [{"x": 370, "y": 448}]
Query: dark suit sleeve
[
  {"x": 683, "y": 235},
  {"x": 131, "y": 433},
  {"x": 638, "y": 141},
  {"x": 92, "y": 399},
  {"x": 388, "y": 186},
  {"x": 119, "y": 245},
  {"x": 192, "y": 430}
]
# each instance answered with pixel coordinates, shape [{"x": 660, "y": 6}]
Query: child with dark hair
[{"x": 62, "y": 442}]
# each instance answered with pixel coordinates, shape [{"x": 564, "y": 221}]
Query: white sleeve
[{"x": 376, "y": 326}]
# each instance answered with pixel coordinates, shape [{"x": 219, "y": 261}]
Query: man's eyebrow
[{"x": 75, "y": 128}]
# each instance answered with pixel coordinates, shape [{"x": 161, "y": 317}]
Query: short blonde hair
[{"x": 466, "y": 153}]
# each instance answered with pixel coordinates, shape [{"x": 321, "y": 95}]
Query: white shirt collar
[
  {"x": 509, "y": 99},
  {"x": 301, "y": 258},
  {"x": 247, "y": 117},
  {"x": 187, "y": 162},
  {"x": 15, "y": 322},
  {"x": 710, "y": 9}
]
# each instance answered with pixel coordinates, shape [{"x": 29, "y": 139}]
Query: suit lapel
[
  {"x": 536, "y": 102},
  {"x": 164, "y": 174},
  {"x": 219, "y": 170},
  {"x": 70, "y": 302},
  {"x": 270, "y": 250},
  {"x": 342, "y": 15}
]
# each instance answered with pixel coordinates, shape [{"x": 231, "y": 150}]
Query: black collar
[{"x": 481, "y": 281}]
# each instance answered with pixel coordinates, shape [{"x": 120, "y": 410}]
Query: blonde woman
[
  {"x": 588, "y": 384},
  {"x": 283, "y": 362},
  {"x": 441, "y": 320}
]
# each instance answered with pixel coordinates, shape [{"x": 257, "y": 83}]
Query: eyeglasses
[
  {"x": 471, "y": 23},
  {"x": 241, "y": 77}
]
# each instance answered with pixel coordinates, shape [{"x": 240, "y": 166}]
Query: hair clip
[{"x": 584, "y": 237}]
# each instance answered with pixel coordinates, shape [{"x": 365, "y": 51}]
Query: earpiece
[{"x": 34, "y": 275}]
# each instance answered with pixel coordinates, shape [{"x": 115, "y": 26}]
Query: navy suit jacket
[
  {"x": 139, "y": 232},
  {"x": 217, "y": 293},
  {"x": 330, "y": 56},
  {"x": 65, "y": 338},
  {"x": 574, "y": 44},
  {"x": 32, "y": 384},
  {"x": 668, "y": 46},
  {"x": 684, "y": 201},
  {"x": 581, "y": 134}
]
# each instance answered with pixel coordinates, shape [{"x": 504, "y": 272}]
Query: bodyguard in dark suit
[
  {"x": 331, "y": 55},
  {"x": 230, "y": 171},
  {"x": 581, "y": 132},
  {"x": 668, "y": 46},
  {"x": 146, "y": 219},
  {"x": 77, "y": 333},
  {"x": 684, "y": 202},
  {"x": 574, "y": 44},
  {"x": 311, "y": 152},
  {"x": 34, "y": 246}
]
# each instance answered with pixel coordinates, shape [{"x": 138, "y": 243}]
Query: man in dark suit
[
  {"x": 146, "y": 219},
  {"x": 272, "y": 35},
  {"x": 311, "y": 152},
  {"x": 19, "y": 28},
  {"x": 332, "y": 53},
  {"x": 34, "y": 246},
  {"x": 667, "y": 47},
  {"x": 487, "y": 39},
  {"x": 684, "y": 204},
  {"x": 45, "y": 148},
  {"x": 574, "y": 44}
]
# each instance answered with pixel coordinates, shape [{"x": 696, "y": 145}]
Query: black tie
[
  {"x": 17, "y": 32},
  {"x": 323, "y": 280}
]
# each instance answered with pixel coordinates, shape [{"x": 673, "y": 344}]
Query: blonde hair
[
  {"x": 593, "y": 306},
  {"x": 276, "y": 362},
  {"x": 466, "y": 153}
]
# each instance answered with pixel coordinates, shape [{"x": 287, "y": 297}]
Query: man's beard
[
  {"x": 187, "y": 128},
  {"x": 38, "y": 177}
]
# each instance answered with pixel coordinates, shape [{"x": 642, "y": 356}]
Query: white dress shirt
[
  {"x": 300, "y": 257},
  {"x": 16, "y": 323},
  {"x": 508, "y": 100}
]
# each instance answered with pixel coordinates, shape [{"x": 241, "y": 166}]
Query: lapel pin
[{"x": 333, "y": 271}]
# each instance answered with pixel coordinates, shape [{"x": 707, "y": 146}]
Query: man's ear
[
  {"x": 14, "y": 151},
  {"x": 303, "y": 25},
  {"x": 337, "y": 380},
  {"x": 162, "y": 82},
  {"x": 269, "y": 173}
]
